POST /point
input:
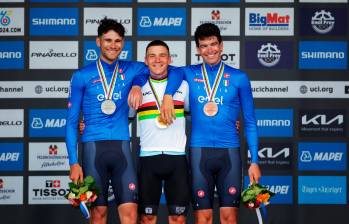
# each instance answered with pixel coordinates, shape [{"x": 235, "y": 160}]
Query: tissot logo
[
  {"x": 322, "y": 156},
  {"x": 322, "y": 122},
  {"x": 161, "y": 21},
  {"x": 54, "y": 21},
  {"x": 274, "y": 156}
]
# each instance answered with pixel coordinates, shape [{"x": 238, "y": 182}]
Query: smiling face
[
  {"x": 111, "y": 44},
  {"x": 157, "y": 58},
  {"x": 210, "y": 50}
]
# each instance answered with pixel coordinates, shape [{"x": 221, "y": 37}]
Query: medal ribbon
[
  {"x": 211, "y": 92},
  {"x": 108, "y": 90},
  {"x": 155, "y": 95}
]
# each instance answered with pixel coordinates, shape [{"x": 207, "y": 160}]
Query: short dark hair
[
  {"x": 207, "y": 30},
  {"x": 107, "y": 24},
  {"x": 157, "y": 43}
]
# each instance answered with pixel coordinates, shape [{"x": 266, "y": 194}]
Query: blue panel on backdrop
[
  {"x": 275, "y": 122},
  {"x": 161, "y": 21},
  {"x": 322, "y": 190},
  {"x": 47, "y": 123},
  {"x": 11, "y": 156},
  {"x": 280, "y": 185},
  {"x": 323, "y": 54},
  {"x": 54, "y": 21},
  {"x": 91, "y": 51},
  {"x": 11, "y": 54},
  {"x": 54, "y": 0},
  {"x": 322, "y": 156}
]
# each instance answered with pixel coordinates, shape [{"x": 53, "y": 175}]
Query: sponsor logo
[
  {"x": 269, "y": 21},
  {"x": 48, "y": 190},
  {"x": 322, "y": 123},
  {"x": 323, "y": 55},
  {"x": 92, "y": 51},
  {"x": 222, "y": 17},
  {"x": 11, "y": 21},
  {"x": 11, "y": 156},
  {"x": 322, "y": 190},
  {"x": 322, "y": 22},
  {"x": 132, "y": 186},
  {"x": 11, "y": 190},
  {"x": 322, "y": 156},
  {"x": 47, "y": 123},
  {"x": 324, "y": 1},
  {"x": 232, "y": 190},
  {"x": 346, "y": 89},
  {"x": 11, "y": 123},
  {"x": 230, "y": 54},
  {"x": 53, "y": 54},
  {"x": 275, "y": 122},
  {"x": 273, "y": 156},
  {"x": 280, "y": 185},
  {"x": 161, "y": 21},
  {"x": 11, "y": 54},
  {"x": 277, "y": 55},
  {"x": 201, "y": 194},
  {"x": 214, "y": 1},
  {"x": 54, "y": 21},
  {"x": 148, "y": 210},
  {"x": 48, "y": 156},
  {"x": 179, "y": 210},
  {"x": 93, "y": 16},
  {"x": 162, "y": 1}
]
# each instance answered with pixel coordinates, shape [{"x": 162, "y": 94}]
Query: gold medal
[
  {"x": 159, "y": 123},
  {"x": 210, "y": 109},
  {"x": 108, "y": 107}
]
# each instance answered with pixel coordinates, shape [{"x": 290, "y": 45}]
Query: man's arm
[
  {"x": 175, "y": 78},
  {"x": 250, "y": 125},
  {"x": 135, "y": 95},
  {"x": 71, "y": 136}
]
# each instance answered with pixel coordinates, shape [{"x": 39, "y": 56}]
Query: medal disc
[
  {"x": 108, "y": 107},
  {"x": 210, "y": 109},
  {"x": 159, "y": 123}
]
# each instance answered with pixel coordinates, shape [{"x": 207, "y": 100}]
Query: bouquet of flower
[
  {"x": 256, "y": 195},
  {"x": 83, "y": 194}
]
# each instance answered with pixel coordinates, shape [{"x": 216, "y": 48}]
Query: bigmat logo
[
  {"x": 269, "y": 21},
  {"x": 274, "y": 156},
  {"x": 280, "y": 185},
  {"x": 47, "y": 123},
  {"x": 269, "y": 54},
  {"x": 177, "y": 51},
  {"x": 54, "y": 21},
  {"x": 48, "y": 189},
  {"x": 11, "y": 123},
  {"x": 91, "y": 52},
  {"x": 275, "y": 122},
  {"x": 53, "y": 54},
  {"x": 323, "y": 21},
  {"x": 11, "y": 156},
  {"x": 47, "y": 156},
  {"x": 92, "y": 17},
  {"x": 227, "y": 19},
  {"x": 11, "y": 190},
  {"x": 322, "y": 190},
  {"x": 230, "y": 54},
  {"x": 319, "y": 123},
  {"x": 11, "y": 54},
  {"x": 322, "y": 156},
  {"x": 11, "y": 22},
  {"x": 323, "y": 54},
  {"x": 161, "y": 21}
]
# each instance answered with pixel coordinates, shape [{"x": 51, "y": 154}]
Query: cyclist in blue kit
[
  {"x": 101, "y": 90},
  {"x": 217, "y": 93}
]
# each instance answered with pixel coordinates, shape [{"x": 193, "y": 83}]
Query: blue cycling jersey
[
  {"x": 234, "y": 93},
  {"x": 86, "y": 93}
]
